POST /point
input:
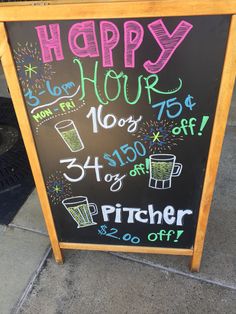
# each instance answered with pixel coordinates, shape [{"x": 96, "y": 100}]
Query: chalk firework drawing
[
  {"x": 32, "y": 71},
  {"x": 58, "y": 188},
  {"x": 81, "y": 210},
  {"x": 158, "y": 136},
  {"x": 162, "y": 168},
  {"x": 70, "y": 135}
]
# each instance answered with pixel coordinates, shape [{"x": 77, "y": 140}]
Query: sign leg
[
  {"x": 222, "y": 110},
  {"x": 18, "y": 102}
]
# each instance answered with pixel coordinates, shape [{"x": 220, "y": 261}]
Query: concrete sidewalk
[{"x": 98, "y": 282}]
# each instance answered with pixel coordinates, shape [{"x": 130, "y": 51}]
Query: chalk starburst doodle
[
  {"x": 58, "y": 187},
  {"x": 32, "y": 71},
  {"x": 157, "y": 135}
]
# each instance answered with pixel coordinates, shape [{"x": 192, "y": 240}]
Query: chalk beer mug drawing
[
  {"x": 80, "y": 210},
  {"x": 162, "y": 168}
]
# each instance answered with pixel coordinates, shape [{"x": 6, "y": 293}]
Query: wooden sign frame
[{"x": 69, "y": 10}]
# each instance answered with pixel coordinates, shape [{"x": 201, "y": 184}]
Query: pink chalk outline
[
  {"x": 164, "y": 38},
  {"x": 47, "y": 44},
  {"x": 108, "y": 44},
  {"x": 132, "y": 45},
  {"x": 90, "y": 48}
]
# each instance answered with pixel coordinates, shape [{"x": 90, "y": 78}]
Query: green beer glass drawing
[
  {"x": 162, "y": 168},
  {"x": 80, "y": 210},
  {"x": 70, "y": 135}
]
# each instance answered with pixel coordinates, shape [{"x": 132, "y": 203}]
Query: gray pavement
[
  {"x": 21, "y": 252},
  {"x": 102, "y": 283}
]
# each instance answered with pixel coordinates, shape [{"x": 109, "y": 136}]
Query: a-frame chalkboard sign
[{"x": 122, "y": 106}]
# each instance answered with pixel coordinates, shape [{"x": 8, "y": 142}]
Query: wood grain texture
[
  {"x": 19, "y": 106},
  {"x": 125, "y": 248},
  {"x": 112, "y": 9},
  {"x": 222, "y": 110}
]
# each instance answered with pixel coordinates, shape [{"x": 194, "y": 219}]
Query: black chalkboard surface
[{"x": 122, "y": 111}]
